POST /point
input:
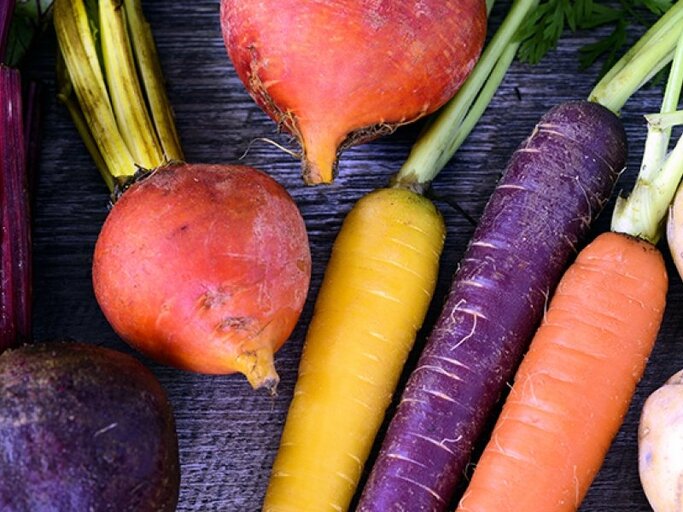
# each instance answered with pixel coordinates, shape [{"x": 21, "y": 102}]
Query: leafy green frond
[
  {"x": 546, "y": 25},
  {"x": 608, "y": 46}
]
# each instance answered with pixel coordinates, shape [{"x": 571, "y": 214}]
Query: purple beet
[
  {"x": 555, "y": 184},
  {"x": 84, "y": 428}
]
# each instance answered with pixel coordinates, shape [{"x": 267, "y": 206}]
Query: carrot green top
[
  {"x": 643, "y": 212},
  {"x": 446, "y": 132}
]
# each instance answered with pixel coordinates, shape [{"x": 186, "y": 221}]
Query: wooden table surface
[{"x": 229, "y": 434}]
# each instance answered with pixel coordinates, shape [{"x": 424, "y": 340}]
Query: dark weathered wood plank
[{"x": 229, "y": 434}]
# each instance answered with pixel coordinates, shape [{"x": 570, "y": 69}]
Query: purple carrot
[
  {"x": 15, "y": 257},
  {"x": 554, "y": 186}
]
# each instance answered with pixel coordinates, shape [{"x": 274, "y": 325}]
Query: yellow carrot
[{"x": 374, "y": 298}]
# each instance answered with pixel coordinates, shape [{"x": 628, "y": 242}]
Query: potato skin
[
  {"x": 84, "y": 429},
  {"x": 660, "y": 445}
]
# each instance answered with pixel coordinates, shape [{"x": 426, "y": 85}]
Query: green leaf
[
  {"x": 38, "y": 10},
  {"x": 536, "y": 36},
  {"x": 570, "y": 13},
  {"x": 657, "y": 7},
  {"x": 583, "y": 10},
  {"x": 609, "y": 46},
  {"x": 543, "y": 29},
  {"x": 30, "y": 18},
  {"x": 601, "y": 15}
]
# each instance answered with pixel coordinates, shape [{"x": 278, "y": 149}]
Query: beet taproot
[
  {"x": 336, "y": 74},
  {"x": 206, "y": 268},
  {"x": 84, "y": 428}
]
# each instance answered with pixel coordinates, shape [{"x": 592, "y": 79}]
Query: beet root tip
[{"x": 259, "y": 369}]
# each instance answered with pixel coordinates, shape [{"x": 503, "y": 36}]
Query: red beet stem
[
  {"x": 6, "y": 11},
  {"x": 15, "y": 254}
]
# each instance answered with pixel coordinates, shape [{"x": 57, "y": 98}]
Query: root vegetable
[
  {"x": 336, "y": 74},
  {"x": 84, "y": 428},
  {"x": 576, "y": 382},
  {"x": 540, "y": 211},
  {"x": 660, "y": 444},
  {"x": 574, "y": 387},
  {"x": 499, "y": 294},
  {"x": 215, "y": 273},
  {"x": 373, "y": 299}
]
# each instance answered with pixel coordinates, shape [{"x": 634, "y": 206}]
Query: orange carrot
[{"x": 573, "y": 389}]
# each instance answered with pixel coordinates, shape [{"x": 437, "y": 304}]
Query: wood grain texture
[{"x": 228, "y": 434}]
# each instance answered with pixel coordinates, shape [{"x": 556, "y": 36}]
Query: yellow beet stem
[
  {"x": 153, "y": 81},
  {"x": 112, "y": 67},
  {"x": 373, "y": 299},
  {"x": 78, "y": 48},
  {"x": 66, "y": 96},
  {"x": 126, "y": 94}
]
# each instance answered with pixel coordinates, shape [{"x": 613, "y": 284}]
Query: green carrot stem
[
  {"x": 657, "y": 142},
  {"x": 435, "y": 146},
  {"x": 482, "y": 101},
  {"x": 665, "y": 120},
  {"x": 651, "y": 53},
  {"x": 643, "y": 212},
  {"x": 661, "y": 26}
]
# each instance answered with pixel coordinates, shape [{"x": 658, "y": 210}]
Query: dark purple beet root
[
  {"x": 554, "y": 186},
  {"x": 84, "y": 429}
]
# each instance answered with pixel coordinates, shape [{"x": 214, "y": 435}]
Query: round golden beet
[
  {"x": 336, "y": 74},
  {"x": 206, "y": 268}
]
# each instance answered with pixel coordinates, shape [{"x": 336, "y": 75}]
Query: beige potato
[{"x": 660, "y": 446}]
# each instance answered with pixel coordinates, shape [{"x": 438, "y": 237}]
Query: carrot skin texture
[
  {"x": 375, "y": 294},
  {"x": 575, "y": 384},
  {"x": 554, "y": 185},
  {"x": 306, "y": 64}
]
